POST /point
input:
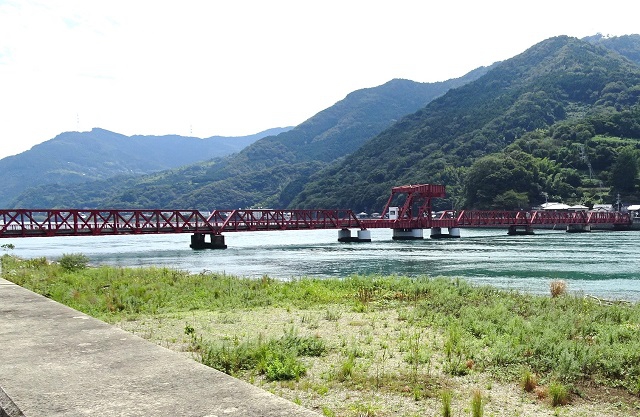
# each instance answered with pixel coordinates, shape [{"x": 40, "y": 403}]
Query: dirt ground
[{"x": 382, "y": 382}]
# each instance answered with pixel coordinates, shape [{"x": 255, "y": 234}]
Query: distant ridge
[{"x": 75, "y": 157}]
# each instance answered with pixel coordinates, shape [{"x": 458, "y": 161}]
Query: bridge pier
[
  {"x": 364, "y": 235},
  {"x": 453, "y": 232},
  {"x": 407, "y": 234},
  {"x": 344, "y": 235},
  {"x": 216, "y": 241},
  {"x": 578, "y": 228},
  {"x": 520, "y": 229}
]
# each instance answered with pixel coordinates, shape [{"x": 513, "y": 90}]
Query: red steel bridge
[{"x": 407, "y": 213}]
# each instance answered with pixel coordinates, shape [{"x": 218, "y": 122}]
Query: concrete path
[{"x": 56, "y": 361}]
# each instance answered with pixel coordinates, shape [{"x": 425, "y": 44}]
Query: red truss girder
[
  {"x": 33, "y": 223},
  {"x": 475, "y": 218},
  {"x": 255, "y": 220}
]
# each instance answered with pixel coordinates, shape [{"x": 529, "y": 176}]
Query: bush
[
  {"x": 303, "y": 346},
  {"x": 558, "y": 288},
  {"x": 277, "y": 359},
  {"x": 73, "y": 262},
  {"x": 282, "y": 366}
]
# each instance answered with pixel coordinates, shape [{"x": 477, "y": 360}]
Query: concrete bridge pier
[
  {"x": 578, "y": 228},
  {"x": 364, "y": 235},
  {"x": 407, "y": 234},
  {"x": 344, "y": 235},
  {"x": 452, "y": 232},
  {"x": 520, "y": 229},
  {"x": 215, "y": 241}
]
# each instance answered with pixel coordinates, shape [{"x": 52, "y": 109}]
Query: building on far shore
[
  {"x": 634, "y": 210},
  {"x": 603, "y": 207}
]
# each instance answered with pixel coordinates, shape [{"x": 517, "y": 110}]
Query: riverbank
[{"x": 373, "y": 346}]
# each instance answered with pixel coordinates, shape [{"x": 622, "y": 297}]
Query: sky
[{"x": 232, "y": 68}]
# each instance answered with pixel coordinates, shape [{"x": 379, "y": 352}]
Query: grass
[
  {"x": 408, "y": 338},
  {"x": 559, "y": 394},
  {"x": 446, "y": 397},
  {"x": 477, "y": 404},
  {"x": 529, "y": 381}
]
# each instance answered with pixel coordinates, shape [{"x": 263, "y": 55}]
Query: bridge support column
[
  {"x": 198, "y": 241},
  {"x": 578, "y": 228},
  {"x": 453, "y": 232},
  {"x": 344, "y": 235},
  {"x": 364, "y": 235},
  {"x": 520, "y": 229},
  {"x": 407, "y": 234}
]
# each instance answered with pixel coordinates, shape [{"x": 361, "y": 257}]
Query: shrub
[
  {"x": 282, "y": 366},
  {"x": 303, "y": 346},
  {"x": 73, "y": 262},
  {"x": 277, "y": 359},
  {"x": 558, "y": 288},
  {"x": 230, "y": 359}
]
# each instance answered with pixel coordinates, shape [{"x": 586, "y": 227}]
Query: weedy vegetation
[{"x": 412, "y": 338}]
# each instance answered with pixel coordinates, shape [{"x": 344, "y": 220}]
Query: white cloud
[{"x": 233, "y": 68}]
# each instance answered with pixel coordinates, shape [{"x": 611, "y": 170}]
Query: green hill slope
[
  {"x": 76, "y": 157},
  {"x": 560, "y": 79}
]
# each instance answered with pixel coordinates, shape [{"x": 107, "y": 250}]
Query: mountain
[
  {"x": 526, "y": 99},
  {"x": 627, "y": 45},
  {"x": 268, "y": 172},
  {"x": 75, "y": 157}
]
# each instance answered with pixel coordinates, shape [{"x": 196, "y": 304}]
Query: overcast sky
[{"x": 205, "y": 68}]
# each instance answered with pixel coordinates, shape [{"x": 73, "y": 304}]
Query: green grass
[{"x": 566, "y": 339}]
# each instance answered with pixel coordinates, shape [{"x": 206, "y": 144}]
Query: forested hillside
[
  {"x": 77, "y": 157},
  {"x": 559, "y": 121},
  {"x": 270, "y": 171}
]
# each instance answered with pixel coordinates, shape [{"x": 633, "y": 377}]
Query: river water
[{"x": 601, "y": 263}]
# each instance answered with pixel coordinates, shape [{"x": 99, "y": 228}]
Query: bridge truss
[{"x": 413, "y": 211}]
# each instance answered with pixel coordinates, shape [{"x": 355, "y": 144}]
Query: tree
[
  {"x": 625, "y": 169},
  {"x": 511, "y": 200},
  {"x": 502, "y": 180}
]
